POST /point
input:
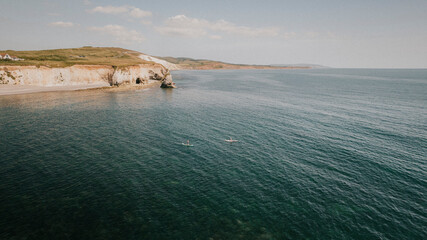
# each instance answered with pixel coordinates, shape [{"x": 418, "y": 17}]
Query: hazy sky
[{"x": 375, "y": 33}]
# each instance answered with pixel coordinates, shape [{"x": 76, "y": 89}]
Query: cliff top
[
  {"x": 75, "y": 56},
  {"x": 118, "y": 57}
]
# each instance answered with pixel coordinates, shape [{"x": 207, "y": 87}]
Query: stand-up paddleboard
[
  {"x": 187, "y": 144},
  {"x": 231, "y": 140}
]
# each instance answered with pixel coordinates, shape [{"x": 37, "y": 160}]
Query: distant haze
[{"x": 354, "y": 34}]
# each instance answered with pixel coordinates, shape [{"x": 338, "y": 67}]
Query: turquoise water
[{"x": 323, "y": 154}]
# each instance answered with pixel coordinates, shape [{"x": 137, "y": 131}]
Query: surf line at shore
[{"x": 6, "y": 89}]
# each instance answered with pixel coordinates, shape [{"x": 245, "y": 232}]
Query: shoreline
[{"x": 7, "y": 90}]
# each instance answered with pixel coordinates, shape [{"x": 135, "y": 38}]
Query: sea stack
[{"x": 167, "y": 80}]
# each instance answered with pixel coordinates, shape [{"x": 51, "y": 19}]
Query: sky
[{"x": 334, "y": 33}]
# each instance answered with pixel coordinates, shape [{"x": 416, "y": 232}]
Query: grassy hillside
[
  {"x": 189, "y": 63},
  {"x": 202, "y": 64},
  {"x": 113, "y": 57},
  {"x": 75, "y": 56}
]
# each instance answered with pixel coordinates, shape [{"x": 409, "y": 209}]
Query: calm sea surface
[{"x": 322, "y": 154}]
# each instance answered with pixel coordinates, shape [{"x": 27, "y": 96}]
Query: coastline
[{"x": 6, "y": 89}]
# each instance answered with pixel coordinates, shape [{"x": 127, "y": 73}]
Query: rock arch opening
[{"x": 138, "y": 81}]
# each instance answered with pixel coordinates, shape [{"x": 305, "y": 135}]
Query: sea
[{"x": 321, "y": 154}]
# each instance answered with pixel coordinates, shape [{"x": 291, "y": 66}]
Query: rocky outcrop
[
  {"x": 167, "y": 82},
  {"x": 165, "y": 78},
  {"x": 84, "y": 74}
]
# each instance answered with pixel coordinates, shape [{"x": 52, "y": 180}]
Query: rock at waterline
[{"x": 167, "y": 82}]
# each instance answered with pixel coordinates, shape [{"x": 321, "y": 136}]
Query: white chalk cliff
[
  {"x": 166, "y": 64},
  {"x": 83, "y": 74}
]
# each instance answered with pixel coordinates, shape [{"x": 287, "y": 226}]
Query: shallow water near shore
[{"x": 322, "y": 154}]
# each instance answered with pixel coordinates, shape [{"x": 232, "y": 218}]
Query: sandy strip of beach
[{"x": 25, "y": 89}]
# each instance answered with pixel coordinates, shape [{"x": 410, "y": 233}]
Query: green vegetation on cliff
[
  {"x": 203, "y": 64},
  {"x": 75, "y": 56},
  {"x": 190, "y": 63},
  {"x": 114, "y": 57}
]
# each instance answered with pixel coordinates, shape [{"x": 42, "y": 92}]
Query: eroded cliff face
[{"x": 81, "y": 74}]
